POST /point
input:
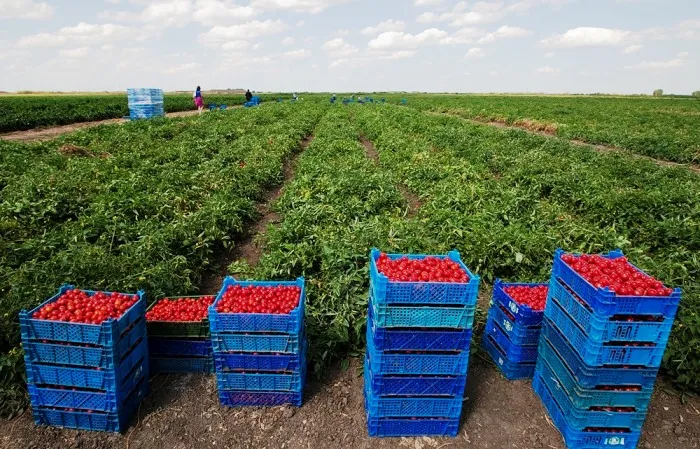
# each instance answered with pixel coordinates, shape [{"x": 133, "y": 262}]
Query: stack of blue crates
[
  {"x": 599, "y": 355},
  {"x": 418, "y": 337},
  {"x": 145, "y": 103},
  {"x": 179, "y": 346},
  {"x": 512, "y": 333},
  {"x": 255, "y": 101},
  {"x": 260, "y": 359},
  {"x": 86, "y": 376}
]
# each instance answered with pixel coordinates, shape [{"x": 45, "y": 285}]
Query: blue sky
[{"x": 554, "y": 46}]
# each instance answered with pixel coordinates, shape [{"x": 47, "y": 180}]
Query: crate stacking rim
[
  {"x": 183, "y": 329},
  {"x": 414, "y": 385}
]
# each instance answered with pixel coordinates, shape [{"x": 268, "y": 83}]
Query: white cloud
[
  {"x": 338, "y": 62},
  {"x": 393, "y": 40},
  {"x": 107, "y": 47},
  {"x": 80, "y": 52},
  {"x": 81, "y": 33},
  {"x": 310, "y": 6},
  {"x": 217, "y": 12},
  {"x": 588, "y": 37},
  {"x": 475, "y": 52},
  {"x": 548, "y": 70},
  {"x": 258, "y": 46},
  {"x": 338, "y": 48},
  {"x": 632, "y": 49},
  {"x": 402, "y": 54},
  {"x": 341, "y": 32},
  {"x": 112, "y": 2},
  {"x": 482, "y": 12},
  {"x": 164, "y": 14},
  {"x": 249, "y": 30},
  {"x": 180, "y": 68},
  {"x": 505, "y": 32},
  {"x": 297, "y": 54},
  {"x": 426, "y": 2},
  {"x": 656, "y": 65},
  {"x": 25, "y": 9},
  {"x": 387, "y": 25},
  {"x": 462, "y": 36},
  {"x": 682, "y": 54},
  {"x": 235, "y": 45},
  {"x": 288, "y": 41}
]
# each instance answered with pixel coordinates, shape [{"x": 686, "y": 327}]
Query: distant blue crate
[
  {"x": 518, "y": 334},
  {"x": 105, "y": 334},
  {"x": 180, "y": 347},
  {"x": 252, "y": 381},
  {"x": 411, "y": 427},
  {"x": 551, "y": 367},
  {"x": 514, "y": 353},
  {"x": 259, "y": 398},
  {"x": 394, "y": 292},
  {"x": 460, "y": 317},
  {"x": 601, "y": 328},
  {"x": 606, "y": 303},
  {"x": 258, "y": 322},
  {"x": 446, "y": 364},
  {"x": 522, "y": 314},
  {"x": 176, "y": 365},
  {"x": 86, "y": 356},
  {"x": 592, "y": 377},
  {"x": 97, "y": 379},
  {"x": 269, "y": 343},
  {"x": 414, "y": 385},
  {"x": 577, "y": 439},
  {"x": 95, "y": 421},
  {"x": 602, "y": 354},
  {"x": 417, "y": 407},
  {"x": 103, "y": 401},
  {"x": 510, "y": 370}
]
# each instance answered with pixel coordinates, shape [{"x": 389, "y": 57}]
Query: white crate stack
[{"x": 145, "y": 103}]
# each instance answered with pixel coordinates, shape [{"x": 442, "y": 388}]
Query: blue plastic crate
[
  {"x": 271, "y": 343},
  {"x": 95, "y": 421},
  {"x": 518, "y": 334},
  {"x": 601, "y": 328},
  {"x": 592, "y": 377},
  {"x": 414, "y": 385},
  {"x": 416, "y": 407},
  {"x": 258, "y": 322},
  {"x": 259, "y": 398},
  {"x": 258, "y": 362},
  {"x": 105, "y": 334},
  {"x": 606, "y": 303},
  {"x": 411, "y": 427},
  {"x": 180, "y": 347},
  {"x": 252, "y": 381},
  {"x": 395, "y": 292},
  {"x": 586, "y": 439},
  {"x": 460, "y": 317},
  {"x": 510, "y": 370},
  {"x": 83, "y": 355},
  {"x": 584, "y": 398},
  {"x": 514, "y": 353},
  {"x": 67, "y": 397},
  {"x": 176, "y": 365},
  {"x": 522, "y": 314},
  {"x": 602, "y": 354},
  {"x": 93, "y": 378},
  {"x": 446, "y": 364}
]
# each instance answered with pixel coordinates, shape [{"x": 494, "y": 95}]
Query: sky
[{"x": 550, "y": 46}]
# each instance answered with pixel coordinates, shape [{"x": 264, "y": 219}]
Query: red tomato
[
  {"x": 280, "y": 299},
  {"x": 428, "y": 269},
  {"x": 76, "y": 306},
  {"x": 180, "y": 309},
  {"x": 534, "y": 297}
]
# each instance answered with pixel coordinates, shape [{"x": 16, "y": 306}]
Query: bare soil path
[
  {"x": 183, "y": 412},
  {"x": 41, "y": 134},
  {"x": 600, "y": 148}
]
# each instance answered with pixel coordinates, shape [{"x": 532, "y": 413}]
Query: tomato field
[{"x": 154, "y": 204}]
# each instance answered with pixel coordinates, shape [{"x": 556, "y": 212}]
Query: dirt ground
[
  {"x": 183, "y": 412},
  {"x": 41, "y": 134}
]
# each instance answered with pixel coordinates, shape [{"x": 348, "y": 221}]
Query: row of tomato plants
[
  {"x": 508, "y": 199},
  {"x": 148, "y": 207}
]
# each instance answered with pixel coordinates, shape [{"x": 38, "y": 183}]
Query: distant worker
[
  {"x": 198, "y": 99},
  {"x": 248, "y": 95},
  {"x": 294, "y": 96}
]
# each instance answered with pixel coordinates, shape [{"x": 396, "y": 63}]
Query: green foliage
[
  {"x": 696, "y": 94},
  {"x": 658, "y": 92}
]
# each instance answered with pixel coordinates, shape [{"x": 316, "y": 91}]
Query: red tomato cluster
[
  {"x": 618, "y": 275},
  {"x": 76, "y": 306},
  {"x": 180, "y": 309},
  {"x": 280, "y": 299},
  {"x": 535, "y": 297},
  {"x": 428, "y": 269}
]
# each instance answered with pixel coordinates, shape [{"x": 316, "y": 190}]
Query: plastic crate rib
[
  {"x": 411, "y": 427},
  {"x": 522, "y": 314},
  {"x": 394, "y": 292},
  {"x": 259, "y": 398},
  {"x": 291, "y": 323},
  {"x": 414, "y": 385},
  {"x": 176, "y": 365},
  {"x": 178, "y": 347},
  {"x": 257, "y": 343},
  {"x": 518, "y": 334},
  {"x": 607, "y": 303},
  {"x": 514, "y": 353},
  {"x": 511, "y": 370},
  {"x": 456, "y": 317},
  {"x": 263, "y": 381}
]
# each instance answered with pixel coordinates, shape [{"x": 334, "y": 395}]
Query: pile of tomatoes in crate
[
  {"x": 180, "y": 309},
  {"x": 428, "y": 269},
  {"x": 618, "y": 275},
  {"x": 535, "y": 297},
  {"x": 76, "y": 306},
  {"x": 280, "y": 299}
]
